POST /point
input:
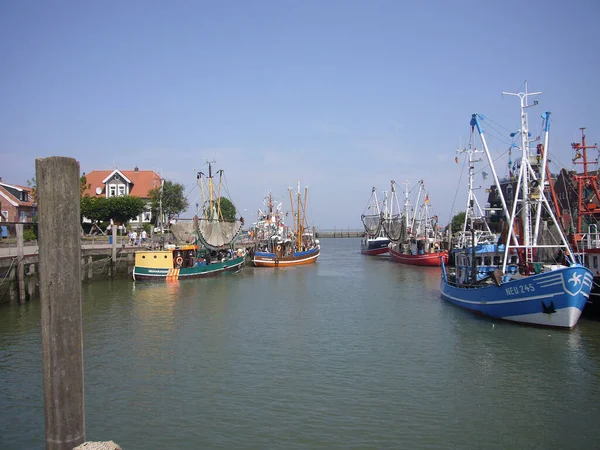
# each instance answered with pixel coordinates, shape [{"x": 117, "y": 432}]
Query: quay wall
[
  {"x": 95, "y": 266},
  {"x": 340, "y": 233}
]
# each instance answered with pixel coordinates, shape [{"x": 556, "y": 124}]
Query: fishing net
[
  {"x": 183, "y": 231},
  {"x": 372, "y": 224},
  {"x": 394, "y": 228},
  {"x": 215, "y": 234}
]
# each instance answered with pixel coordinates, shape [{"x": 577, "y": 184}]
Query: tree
[
  {"x": 228, "y": 210},
  {"x": 33, "y": 185},
  {"x": 458, "y": 222},
  {"x": 124, "y": 208},
  {"x": 120, "y": 209},
  {"x": 171, "y": 197},
  {"x": 83, "y": 185}
]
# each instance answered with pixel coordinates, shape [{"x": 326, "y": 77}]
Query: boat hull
[
  {"x": 592, "y": 307},
  {"x": 372, "y": 247},
  {"x": 375, "y": 251},
  {"x": 426, "y": 259},
  {"x": 266, "y": 259},
  {"x": 141, "y": 273},
  {"x": 554, "y": 299}
]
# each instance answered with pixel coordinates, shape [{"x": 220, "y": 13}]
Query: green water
[{"x": 352, "y": 352}]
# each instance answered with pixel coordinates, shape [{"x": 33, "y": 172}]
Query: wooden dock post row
[
  {"x": 20, "y": 265},
  {"x": 60, "y": 297}
]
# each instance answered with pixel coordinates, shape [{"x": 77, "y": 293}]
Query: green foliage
[
  {"x": 33, "y": 185},
  {"x": 173, "y": 200},
  {"x": 95, "y": 208},
  {"x": 458, "y": 222},
  {"x": 119, "y": 209},
  {"x": 228, "y": 210},
  {"x": 29, "y": 234},
  {"x": 125, "y": 208},
  {"x": 83, "y": 185}
]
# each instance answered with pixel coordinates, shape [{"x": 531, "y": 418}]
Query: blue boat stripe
[{"x": 499, "y": 302}]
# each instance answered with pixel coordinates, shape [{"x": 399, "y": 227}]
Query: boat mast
[
  {"x": 527, "y": 180},
  {"x": 375, "y": 201},
  {"x": 293, "y": 213},
  {"x": 304, "y": 209},
  {"x": 414, "y": 216},
  {"x": 542, "y": 172},
  {"x": 407, "y": 219},
  {"x": 300, "y": 230},
  {"x": 210, "y": 190},
  {"x": 584, "y": 180},
  {"x": 525, "y": 174},
  {"x": 472, "y": 201},
  {"x": 476, "y": 123}
]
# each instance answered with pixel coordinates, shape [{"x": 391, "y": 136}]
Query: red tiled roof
[
  {"x": 143, "y": 181},
  {"x": 14, "y": 199}
]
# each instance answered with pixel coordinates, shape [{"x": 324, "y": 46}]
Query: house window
[
  {"x": 4, "y": 215},
  {"x": 23, "y": 216},
  {"x": 112, "y": 190},
  {"x": 121, "y": 188}
]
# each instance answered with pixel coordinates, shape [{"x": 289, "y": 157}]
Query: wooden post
[
  {"x": 113, "y": 262},
  {"x": 60, "y": 297},
  {"x": 90, "y": 268},
  {"x": 130, "y": 263},
  {"x": 20, "y": 267}
]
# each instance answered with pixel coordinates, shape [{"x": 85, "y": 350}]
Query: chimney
[{"x": 136, "y": 169}]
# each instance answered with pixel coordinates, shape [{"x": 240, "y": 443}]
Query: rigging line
[
  {"x": 501, "y": 139},
  {"x": 496, "y": 123},
  {"x": 456, "y": 192}
]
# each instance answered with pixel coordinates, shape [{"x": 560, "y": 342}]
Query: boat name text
[{"x": 523, "y": 288}]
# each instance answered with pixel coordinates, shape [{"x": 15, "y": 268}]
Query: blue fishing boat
[{"x": 524, "y": 283}]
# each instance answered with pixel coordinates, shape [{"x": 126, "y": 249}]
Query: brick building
[{"x": 16, "y": 203}]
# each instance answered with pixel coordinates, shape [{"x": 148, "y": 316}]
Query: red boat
[
  {"x": 416, "y": 237},
  {"x": 585, "y": 237},
  {"x": 425, "y": 259}
]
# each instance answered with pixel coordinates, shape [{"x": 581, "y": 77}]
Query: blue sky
[{"x": 343, "y": 95}]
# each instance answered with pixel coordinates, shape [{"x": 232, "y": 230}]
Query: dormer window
[{"x": 121, "y": 189}]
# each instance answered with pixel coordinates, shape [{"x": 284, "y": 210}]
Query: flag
[{"x": 484, "y": 175}]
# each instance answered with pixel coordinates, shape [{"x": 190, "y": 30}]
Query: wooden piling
[
  {"x": 60, "y": 298},
  {"x": 90, "y": 268},
  {"x": 113, "y": 262},
  {"x": 20, "y": 265}
]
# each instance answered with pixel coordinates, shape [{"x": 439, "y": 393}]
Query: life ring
[
  {"x": 436, "y": 245},
  {"x": 179, "y": 260},
  {"x": 279, "y": 248}
]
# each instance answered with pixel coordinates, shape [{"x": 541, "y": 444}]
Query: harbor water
[{"x": 351, "y": 352}]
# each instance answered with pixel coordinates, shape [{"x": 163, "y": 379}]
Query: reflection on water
[{"x": 350, "y": 352}]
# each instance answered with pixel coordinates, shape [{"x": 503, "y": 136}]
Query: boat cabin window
[
  {"x": 497, "y": 261},
  {"x": 488, "y": 260},
  {"x": 595, "y": 262},
  {"x": 514, "y": 259},
  {"x": 478, "y": 261}
]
